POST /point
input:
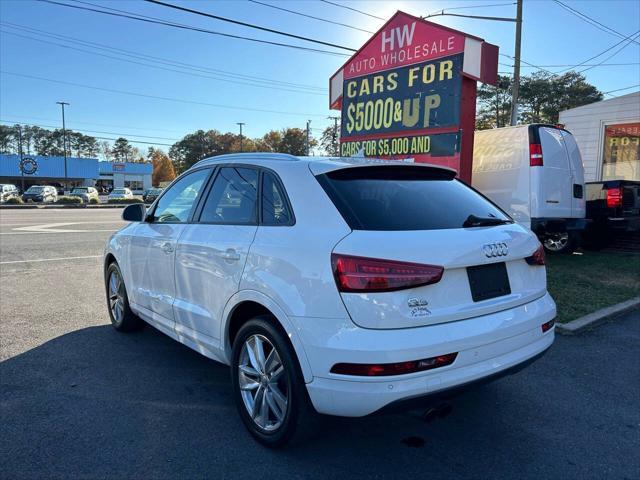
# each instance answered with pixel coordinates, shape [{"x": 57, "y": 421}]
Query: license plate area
[{"x": 488, "y": 281}]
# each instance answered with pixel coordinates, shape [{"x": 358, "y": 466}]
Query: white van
[{"x": 534, "y": 173}]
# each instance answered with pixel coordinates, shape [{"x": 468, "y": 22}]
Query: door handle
[
  {"x": 230, "y": 255},
  {"x": 167, "y": 247}
]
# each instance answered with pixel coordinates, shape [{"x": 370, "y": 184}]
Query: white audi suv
[{"x": 331, "y": 285}]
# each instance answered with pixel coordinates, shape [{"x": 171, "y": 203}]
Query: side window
[
  {"x": 233, "y": 198},
  {"x": 177, "y": 202},
  {"x": 275, "y": 210}
]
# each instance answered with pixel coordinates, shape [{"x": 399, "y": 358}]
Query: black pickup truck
[{"x": 613, "y": 210}]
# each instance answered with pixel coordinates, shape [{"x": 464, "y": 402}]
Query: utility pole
[
  {"x": 20, "y": 154},
  {"x": 308, "y": 129},
  {"x": 516, "y": 66},
  {"x": 64, "y": 144},
  {"x": 240, "y": 124},
  {"x": 335, "y": 135}
]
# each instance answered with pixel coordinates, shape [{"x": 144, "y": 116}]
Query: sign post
[{"x": 409, "y": 94}]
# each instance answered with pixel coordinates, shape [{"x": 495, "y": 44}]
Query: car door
[
  {"x": 556, "y": 183},
  {"x": 212, "y": 252},
  {"x": 153, "y": 246}
]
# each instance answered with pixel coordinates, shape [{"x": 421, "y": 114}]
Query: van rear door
[
  {"x": 552, "y": 181},
  {"x": 578, "y": 205}
]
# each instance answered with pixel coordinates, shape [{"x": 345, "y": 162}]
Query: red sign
[{"x": 409, "y": 93}]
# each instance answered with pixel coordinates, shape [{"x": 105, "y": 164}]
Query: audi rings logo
[{"x": 495, "y": 249}]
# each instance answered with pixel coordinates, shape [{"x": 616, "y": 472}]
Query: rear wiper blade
[{"x": 473, "y": 221}]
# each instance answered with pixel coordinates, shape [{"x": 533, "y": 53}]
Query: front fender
[{"x": 281, "y": 317}]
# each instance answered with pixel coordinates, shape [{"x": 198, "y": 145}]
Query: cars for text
[
  {"x": 85, "y": 193},
  {"x": 118, "y": 193},
  {"x": 331, "y": 285},
  {"x": 535, "y": 173},
  {"x": 40, "y": 193},
  {"x": 8, "y": 191}
]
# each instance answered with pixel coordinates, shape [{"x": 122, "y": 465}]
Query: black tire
[
  {"x": 123, "y": 320},
  {"x": 560, "y": 243},
  {"x": 299, "y": 417}
]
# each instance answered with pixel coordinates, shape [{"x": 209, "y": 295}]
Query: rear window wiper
[{"x": 473, "y": 221}]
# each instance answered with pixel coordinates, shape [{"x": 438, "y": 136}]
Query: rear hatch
[{"x": 426, "y": 249}]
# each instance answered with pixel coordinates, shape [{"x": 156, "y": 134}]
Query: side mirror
[{"x": 134, "y": 212}]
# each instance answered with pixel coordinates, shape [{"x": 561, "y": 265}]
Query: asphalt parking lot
[{"x": 81, "y": 400}]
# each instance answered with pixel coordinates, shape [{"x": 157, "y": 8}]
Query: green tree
[
  {"x": 494, "y": 104},
  {"x": 330, "y": 140},
  {"x": 122, "y": 150}
]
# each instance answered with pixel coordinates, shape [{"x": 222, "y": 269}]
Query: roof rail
[{"x": 231, "y": 157}]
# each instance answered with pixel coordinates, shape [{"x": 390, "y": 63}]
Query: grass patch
[
  {"x": 588, "y": 281},
  {"x": 69, "y": 200},
  {"x": 14, "y": 201},
  {"x": 124, "y": 201}
]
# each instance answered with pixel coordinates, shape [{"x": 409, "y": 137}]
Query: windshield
[
  {"x": 405, "y": 198},
  {"x": 35, "y": 189},
  {"x": 119, "y": 190},
  {"x": 80, "y": 190}
]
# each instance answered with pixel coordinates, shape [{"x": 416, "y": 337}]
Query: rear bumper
[{"x": 487, "y": 345}]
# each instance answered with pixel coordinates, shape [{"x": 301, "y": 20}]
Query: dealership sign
[
  {"x": 28, "y": 166},
  {"x": 409, "y": 93}
]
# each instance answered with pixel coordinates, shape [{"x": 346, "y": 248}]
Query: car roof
[{"x": 317, "y": 165}]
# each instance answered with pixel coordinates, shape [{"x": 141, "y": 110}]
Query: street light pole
[
  {"x": 516, "y": 66},
  {"x": 64, "y": 144},
  {"x": 240, "y": 124},
  {"x": 20, "y": 154}
]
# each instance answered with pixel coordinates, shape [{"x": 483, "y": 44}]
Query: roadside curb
[
  {"x": 44, "y": 207},
  {"x": 593, "y": 319}
]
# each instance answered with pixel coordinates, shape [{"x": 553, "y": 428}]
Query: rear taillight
[
  {"x": 537, "y": 258},
  {"x": 535, "y": 155},
  {"x": 614, "y": 197},
  {"x": 548, "y": 325},
  {"x": 360, "y": 274},
  {"x": 400, "y": 368}
]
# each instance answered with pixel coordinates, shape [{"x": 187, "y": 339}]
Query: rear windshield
[
  {"x": 80, "y": 190},
  {"x": 404, "y": 198},
  {"x": 119, "y": 190}
]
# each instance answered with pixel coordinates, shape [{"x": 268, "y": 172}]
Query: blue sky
[{"x": 551, "y": 36}]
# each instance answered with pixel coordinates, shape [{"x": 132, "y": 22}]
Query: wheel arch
[{"x": 247, "y": 304}]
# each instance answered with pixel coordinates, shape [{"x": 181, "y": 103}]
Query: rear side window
[
  {"x": 404, "y": 198},
  {"x": 275, "y": 210}
]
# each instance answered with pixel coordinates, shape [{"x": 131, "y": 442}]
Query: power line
[
  {"x": 620, "y": 89},
  {"x": 476, "y": 6},
  {"x": 591, "y": 65},
  {"x": 97, "y": 131},
  {"x": 590, "y": 20},
  {"x": 602, "y": 53},
  {"x": 249, "y": 25},
  {"x": 158, "y": 97},
  {"x": 98, "y": 138},
  {"x": 609, "y": 57},
  {"x": 146, "y": 19},
  {"x": 130, "y": 53},
  {"x": 310, "y": 16},
  {"x": 353, "y": 9},
  {"x": 235, "y": 81}
]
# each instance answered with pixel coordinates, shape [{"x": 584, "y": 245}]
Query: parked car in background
[
  {"x": 325, "y": 288},
  {"x": 535, "y": 174},
  {"x": 613, "y": 207},
  {"x": 151, "y": 194},
  {"x": 8, "y": 191},
  {"x": 85, "y": 193},
  {"x": 120, "y": 193},
  {"x": 40, "y": 194}
]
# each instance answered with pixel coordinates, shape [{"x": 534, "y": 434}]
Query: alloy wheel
[
  {"x": 263, "y": 382},
  {"x": 557, "y": 242},
  {"x": 116, "y": 296}
]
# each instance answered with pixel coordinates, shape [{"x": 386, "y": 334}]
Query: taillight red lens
[
  {"x": 386, "y": 369},
  {"x": 360, "y": 274},
  {"x": 547, "y": 326},
  {"x": 538, "y": 257},
  {"x": 614, "y": 197},
  {"x": 535, "y": 155}
]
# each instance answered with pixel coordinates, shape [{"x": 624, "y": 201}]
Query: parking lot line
[{"x": 49, "y": 259}]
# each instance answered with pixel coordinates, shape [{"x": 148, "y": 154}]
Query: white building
[{"x": 608, "y": 134}]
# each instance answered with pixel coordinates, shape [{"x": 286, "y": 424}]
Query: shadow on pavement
[{"x": 97, "y": 403}]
